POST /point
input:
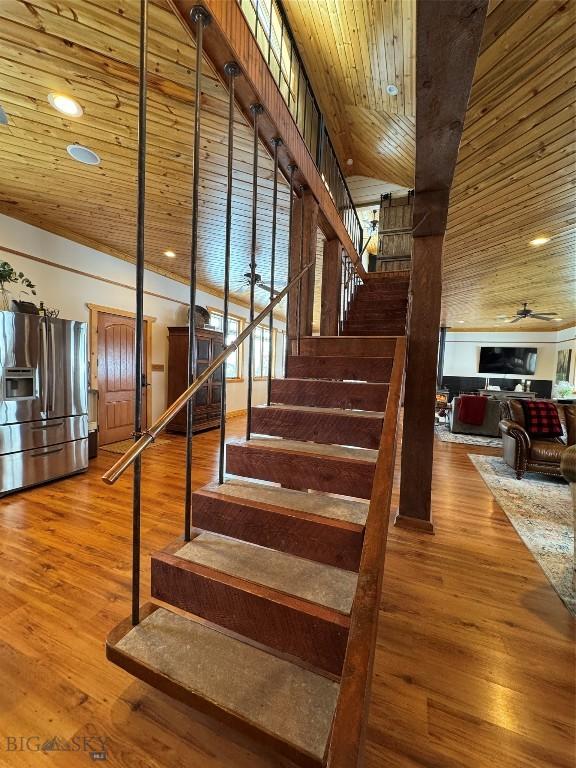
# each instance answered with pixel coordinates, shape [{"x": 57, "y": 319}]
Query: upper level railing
[{"x": 269, "y": 25}]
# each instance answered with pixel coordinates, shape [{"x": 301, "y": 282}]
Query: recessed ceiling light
[
  {"x": 540, "y": 241},
  {"x": 170, "y": 254},
  {"x": 557, "y": 319},
  {"x": 83, "y": 154},
  {"x": 349, "y": 161},
  {"x": 65, "y": 104},
  {"x": 392, "y": 90}
]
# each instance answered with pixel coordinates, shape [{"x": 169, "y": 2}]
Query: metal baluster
[
  {"x": 300, "y": 265},
  {"x": 232, "y": 70},
  {"x": 140, "y": 227},
  {"x": 256, "y": 110},
  {"x": 292, "y": 168},
  {"x": 276, "y": 142},
  {"x": 201, "y": 18}
]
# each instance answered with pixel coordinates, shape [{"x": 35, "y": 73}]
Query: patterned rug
[
  {"x": 540, "y": 509},
  {"x": 443, "y": 433}
]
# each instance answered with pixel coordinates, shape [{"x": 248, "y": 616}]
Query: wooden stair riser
[
  {"x": 349, "y": 477},
  {"x": 313, "y": 633},
  {"x": 376, "y": 369},
  {"x": 377, "y": 327},
  {"x": 330, "y": 394},
  {"x": 398, "y": 331},
  {"x": 325, "y": 540},
  {"x": 335, "y": 428},
  {"x": 334, "y": 346}
]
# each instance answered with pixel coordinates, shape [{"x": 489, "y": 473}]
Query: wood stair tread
[
  {"x": 321, "y": 504},
  {"x": 317, "y": 583},
  {"x": 203, "y": 663},
  {"x": 336, "y": 451},
  {"x": 321, "y": 410}
]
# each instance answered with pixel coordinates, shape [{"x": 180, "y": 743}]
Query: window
[
  {"x": 234, "y": 362},
  {"x": 261, "y": 357}
]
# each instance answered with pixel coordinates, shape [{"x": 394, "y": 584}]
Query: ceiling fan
[
  {"x": 525, "y": 312},
  {"x": 257, "y": 283}
]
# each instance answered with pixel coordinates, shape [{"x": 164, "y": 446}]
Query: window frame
[
  {"x": 240, "y": 320},
  {"x": 272, "y": 363}
]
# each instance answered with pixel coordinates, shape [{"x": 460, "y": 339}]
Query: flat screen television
[{"x": 516, "y": 360}]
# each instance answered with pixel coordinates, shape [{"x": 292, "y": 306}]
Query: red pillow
[{"x": 541, "y": 419}]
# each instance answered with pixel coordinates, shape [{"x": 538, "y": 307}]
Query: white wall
[
  {"x": 71, "y": 292},
  {"x": 463, "y": 349}
]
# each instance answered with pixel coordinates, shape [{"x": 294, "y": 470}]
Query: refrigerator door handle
[
  {"x": 44, "y": 369},
  {"x": 58, "y": 449},
  {"x": 52, "y": 366}
]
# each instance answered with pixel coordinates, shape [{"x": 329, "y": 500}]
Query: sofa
[
  {"x": 490, "y": 427},
  {"x": 525, "y": 454}
]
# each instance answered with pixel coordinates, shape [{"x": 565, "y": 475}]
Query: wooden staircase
[
  {"x": 380, "y": 306},
  {"x": 280, "y": 583}
]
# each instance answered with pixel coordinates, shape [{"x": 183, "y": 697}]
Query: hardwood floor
[{"x": 474, "y": 666}]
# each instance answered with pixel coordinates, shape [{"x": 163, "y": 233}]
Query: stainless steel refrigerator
[{"x": 43, "y": 399}]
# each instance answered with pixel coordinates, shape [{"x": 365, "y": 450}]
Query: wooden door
[{"x": 116, "y": 377}]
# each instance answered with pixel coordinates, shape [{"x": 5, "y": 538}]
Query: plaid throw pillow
[{"x": 541, "y": 418}]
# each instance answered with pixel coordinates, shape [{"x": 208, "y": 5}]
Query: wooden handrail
[
  {"x": 148, "y": 437},
  {"x": 346, "y": 744}
]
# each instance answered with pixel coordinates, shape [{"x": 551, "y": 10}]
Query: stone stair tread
[
  {"x": 316, "y": 582},
  {"x": 299, "y": 704},
  {"x": 322, "y": 504},
  {"x": 321, "y": 449},
  {"x": 318, "y": 409}
]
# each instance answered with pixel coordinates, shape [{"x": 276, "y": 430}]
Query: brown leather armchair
[{"x": 524, "y": 454}]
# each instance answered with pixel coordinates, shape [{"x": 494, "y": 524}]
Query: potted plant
[
  {"x": 563, "y": 389},
  {"x": 9, "y": 275}
]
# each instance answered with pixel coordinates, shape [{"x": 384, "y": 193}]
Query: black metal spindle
[
  {"x": 287, "y": 351},
  {"x": 201, "y": 18},
  {"x": 232, "y": 70},
  {"x": 256, "y": 110},
  {"x": 276, "y": 142},
  {"x": 139, "y": 341},
  {"x": 300, "y": 265}
]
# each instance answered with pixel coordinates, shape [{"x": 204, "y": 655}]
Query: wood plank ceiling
[
  {"x": 514, "y": 180},
  {"x": 88, "y": 49},
  {"x": 352, "y": 51},
  {"x": 515, "y": 175}
]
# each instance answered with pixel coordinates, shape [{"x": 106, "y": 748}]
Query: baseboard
[{"x": 236, "y": 414}]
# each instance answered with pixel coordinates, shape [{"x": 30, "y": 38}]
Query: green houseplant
[{"x": 8, "y": 275}]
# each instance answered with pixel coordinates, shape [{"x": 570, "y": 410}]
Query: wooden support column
[
  {"x": 420, "y": 384},
  {"x": 448, "y": 38},
  {"x": 293, "y": 267},
  {"x": 331, "y": 284},
  {"x": 310, "y": 225},
  {"x": 305, "y": 230}
]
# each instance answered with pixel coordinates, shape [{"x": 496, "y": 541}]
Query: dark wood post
[
  {"x": 310, "y": 224},
  {"x": 293, "y": 269},
  {"x": 448, "y": 38},
  {"x": 331, "y": 284},
  {"x": 420, "y": 383}
]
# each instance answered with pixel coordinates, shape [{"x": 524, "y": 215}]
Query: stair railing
[
  {"x": 349, "y": 282},
  {"x": 150, "y": 434}
]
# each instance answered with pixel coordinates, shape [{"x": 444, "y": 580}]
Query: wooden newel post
[{"x": 331, "y": 285}]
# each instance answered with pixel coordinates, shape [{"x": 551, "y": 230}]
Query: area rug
[
  {"x": 443, "y": 433},
  {"x": 123, "y": 445},
  {"x": 540, "y": 509}
]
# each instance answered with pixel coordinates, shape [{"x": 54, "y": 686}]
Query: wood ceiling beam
[{"x": 228, "y": 38}]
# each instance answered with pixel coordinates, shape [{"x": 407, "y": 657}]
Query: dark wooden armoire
[{"x": 209, "y": 344}]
